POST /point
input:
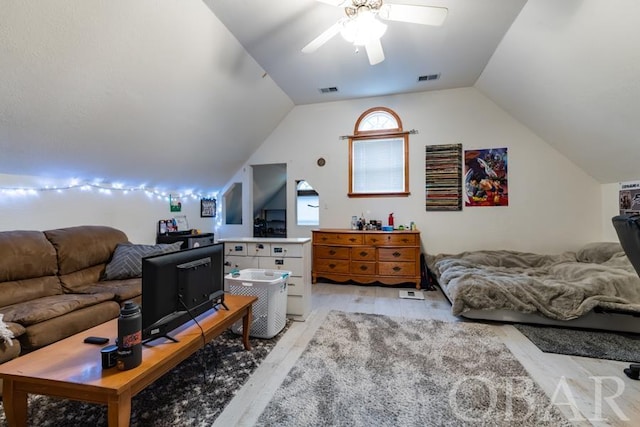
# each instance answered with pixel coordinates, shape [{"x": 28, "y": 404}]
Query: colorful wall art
[{"x": 485, "y": 178}]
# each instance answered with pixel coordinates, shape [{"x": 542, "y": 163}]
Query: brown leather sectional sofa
[{"x": 51, "y": 287}]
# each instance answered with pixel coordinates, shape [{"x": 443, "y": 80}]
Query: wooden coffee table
[{"x": 72, "y": 369}]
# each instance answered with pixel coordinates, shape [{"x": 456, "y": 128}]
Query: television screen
[{"x": 179, "y": 286}]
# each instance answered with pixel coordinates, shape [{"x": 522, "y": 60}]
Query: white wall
[
  {"x": 554, "y": 206},
  {"x": 135, "y": 213}
]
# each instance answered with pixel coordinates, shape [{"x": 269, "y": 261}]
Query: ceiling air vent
[
  {"x": 428, "y": 77},
  {"x": 328, "y": 89}
]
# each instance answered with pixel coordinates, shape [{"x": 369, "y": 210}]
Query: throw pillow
[{"x": 126, "y": 262}]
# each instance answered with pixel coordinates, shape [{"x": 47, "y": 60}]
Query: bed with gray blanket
[{"x": 595, "y": 287}]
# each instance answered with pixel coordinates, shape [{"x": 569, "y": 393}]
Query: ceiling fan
[{"x": 363, "y": 26}]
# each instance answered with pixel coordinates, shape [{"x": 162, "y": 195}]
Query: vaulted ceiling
[
  {"x": 568, "y": 69},
  {"x": 136, "y": 91}
]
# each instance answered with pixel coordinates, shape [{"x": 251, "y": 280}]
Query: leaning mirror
[{"x": 233, "y": 204}]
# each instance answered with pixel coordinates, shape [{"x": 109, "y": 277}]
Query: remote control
[{"x": 96, "y": 340}]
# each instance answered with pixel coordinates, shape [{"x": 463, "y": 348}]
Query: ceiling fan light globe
[{"x": 362, "y": 29}]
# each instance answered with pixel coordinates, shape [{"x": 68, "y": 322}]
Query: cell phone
[{"x": 96, "y": 340}]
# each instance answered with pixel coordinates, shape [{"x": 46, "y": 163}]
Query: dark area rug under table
[
  {"x": 624, "y": 347},
  {"x": 194, "y": 393}
]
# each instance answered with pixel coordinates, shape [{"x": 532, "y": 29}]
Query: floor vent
[
  {"x": 411, "y": 294},
  {"x": 428, "y": 77},
  {"x": 328, "y": 89}
]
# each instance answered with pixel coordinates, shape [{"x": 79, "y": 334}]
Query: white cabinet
[{"x": 288, "y": 254}]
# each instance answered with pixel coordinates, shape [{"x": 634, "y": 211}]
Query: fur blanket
[
  {"x": 562, "y": 287},
  {"x": 5, "y": 333}
]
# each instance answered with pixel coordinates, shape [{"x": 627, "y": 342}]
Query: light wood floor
[{"x": 588, "y": 391}]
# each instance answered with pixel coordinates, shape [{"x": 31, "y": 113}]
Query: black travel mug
[{"x": 129, "y": 336}]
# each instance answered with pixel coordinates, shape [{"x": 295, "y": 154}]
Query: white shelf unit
[{"x": 289, "y": 254}]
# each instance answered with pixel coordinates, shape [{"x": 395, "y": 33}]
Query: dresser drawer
[
  {"x": 322, "y": 265},
  {"x": 239, "y": 262},
  {"x": 294, "y": 265},
  {"x": 297, "y": 305},
  {"x": 286, "y": 250},
  {"x": 295, "y": 286},
  {"x": 338, "y": 238},
  {"x": 397, "y": 254},
  {"x": 239, "y": 249},
  {"x": 330, "y": 252},
  {"x": 390, "y": 239},
  {"x": 363, "y": 254},
  {"x": 258, "y": 249},
  {"x": 363, "y": 267},
  {"x": 397, "y": 268}
]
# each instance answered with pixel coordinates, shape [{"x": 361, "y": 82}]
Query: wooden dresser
[{"x": 388, "y": 257}]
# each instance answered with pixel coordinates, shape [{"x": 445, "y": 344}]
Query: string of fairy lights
[{"x": 102, "y": 188}]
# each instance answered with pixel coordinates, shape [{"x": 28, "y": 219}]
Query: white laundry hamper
[{"x": 270, "y": 311}]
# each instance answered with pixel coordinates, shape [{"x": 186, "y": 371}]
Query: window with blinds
[{"x": 378, "y": 155}]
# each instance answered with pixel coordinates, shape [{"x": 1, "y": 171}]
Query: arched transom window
[{"x": 379, "y": 155}]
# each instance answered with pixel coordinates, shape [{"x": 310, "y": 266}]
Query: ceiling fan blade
[
  {"x": 425, "y": 15},
  {"x": 322, "y": 38},
  {"x": 374, "y": 51}
]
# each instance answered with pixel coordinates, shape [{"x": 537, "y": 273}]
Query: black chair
[{"x": 628, "y": 230}]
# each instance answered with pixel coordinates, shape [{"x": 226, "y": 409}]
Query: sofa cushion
[
  {"x": 84, "y": 246},
  {"x": 127, "y": 259},
  {"x": 13, "y": 331},
  {"x": 25, "y": 255},
  {"x": 8, "y": 352},
  {"x": 74, "y": 282},
  {"x": 16, "y": 328},
  {"x": 41, "y": 309},
  {"x": 25, "y": 290},
  {"x": 52, "y": 330},
  {"x": 127, "y": 289},
  {"x": 28, "y": 267},
  {"x": 83, "y": 252}
]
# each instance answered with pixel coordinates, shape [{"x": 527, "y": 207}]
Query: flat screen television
[{"x": 179, "y": 286}]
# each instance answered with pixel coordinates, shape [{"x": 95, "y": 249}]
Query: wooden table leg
[
  {"x": 119, "y": 410},
  {"x": 15, "y": 404},
  {"x": 246, "y": 325}
]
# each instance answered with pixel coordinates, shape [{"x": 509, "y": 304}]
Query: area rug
[
  {"x": 373, "y": 370},
  {"x": 579, "y": 342},
  {"x": 194, "y": 393}
]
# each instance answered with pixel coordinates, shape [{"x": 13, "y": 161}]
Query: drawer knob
[
  {"x": 364, "y": 268},
  {"x": 396, "y": 254},
  {"x": 332, "y": 252},
  {"x": 363, "y": 253},
  {"x": 374, "y": 239},
  {"x": 323, "y": 238},
  {"x": 405, "y": 240},
  {"x": 396, "y": 268},
  {"x": 352, "y": 239},
  {"x": 332, "y": 266}
]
